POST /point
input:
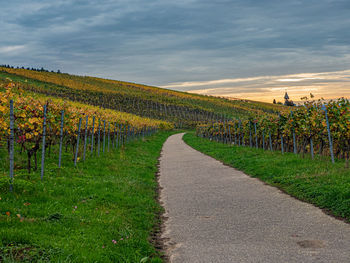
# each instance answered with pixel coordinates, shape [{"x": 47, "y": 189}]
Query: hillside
[{"x": 181, "y": 108}]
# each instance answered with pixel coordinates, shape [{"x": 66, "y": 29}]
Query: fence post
[
  {"x": 99, "y": 138},
  {"x": 329, "y": 133},
  {"x": 282, "y": 148},
  {"x": 12, "y": 137},
  {"x": 263, "y": 139},
  {"x": 118, "y": 137},
  {"x": 77, "y": 146},
  {"x": 270, "y": 140},
  {"x": 311, "y": 147},
  {"x": 124, "y": 135},
  {"x": 109, "y": 138},
  {"x": 43, "y": 146},
  {"x": 239, "y": 132},
  {"x": 92, "y": 134},
  {"x": 229, "y": 135},
  {"x": 121, "y": 134},
  {"x": 113, "y": 141},
  {"x": 250, "y": 134},
  {"x": 256, "y": 137},
  {"x": 294, "y": 140},
  {"x": 240, "y": 126},
  {"x": 235, "y": 132},
  {"x": 85, "y": 139},
  {"x": 121, "y": 139},
  {"x": 61, "y": 140},
  {"x": 104, "y": 136},
  {"x": 128, "y": 134}
]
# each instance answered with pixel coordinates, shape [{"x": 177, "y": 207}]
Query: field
[
  {"x": 79, "y": 160},
  {"x": 181, "y": 108},
  {"x": 316, "y": 128},
  {"x": 103, "y": 210}
]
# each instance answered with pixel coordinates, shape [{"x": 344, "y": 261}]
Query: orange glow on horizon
[{"x": 326, "y": 85}]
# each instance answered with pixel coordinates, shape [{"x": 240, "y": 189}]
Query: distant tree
[
  {"x": 58, "y": 71},
  {"x": 274, "y": 101}
]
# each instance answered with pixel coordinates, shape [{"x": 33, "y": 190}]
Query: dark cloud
[{"x": 159, "y": 41}]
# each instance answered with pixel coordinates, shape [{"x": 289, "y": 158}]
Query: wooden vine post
[
  {"x": 61, "y": 140},
  {"x": 329, "y": 133},
  {"x": 12, "y": 135},
  {"x": 43, "y": 146},
  {"x": 85, "y": 137},
  {"x": 77, "y": 146}
]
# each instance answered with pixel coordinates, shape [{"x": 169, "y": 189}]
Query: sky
[{"x": 251, "y": 49}]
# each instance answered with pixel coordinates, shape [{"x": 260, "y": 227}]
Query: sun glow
[{"x": 326, "y": 85}]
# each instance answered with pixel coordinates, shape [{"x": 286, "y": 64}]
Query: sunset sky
[{"x": 253, "y": 49}]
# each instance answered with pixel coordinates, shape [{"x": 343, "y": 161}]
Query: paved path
[{"x": 218, "y": 214}]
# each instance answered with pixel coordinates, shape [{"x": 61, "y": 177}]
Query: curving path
[{"x": 218, "y": 214}]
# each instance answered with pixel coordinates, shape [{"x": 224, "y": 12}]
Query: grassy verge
[
  {"x": 319, "y": 182},
  {"x": 102, "y": 211}
]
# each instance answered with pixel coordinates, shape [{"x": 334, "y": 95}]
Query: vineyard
[
  {"x": 32, "y": 123},
  {"x": 182, "y": 109},
  {"x": 314, "y": 128},
  {"x": 79, "y": 155},
  {"x": 70, "y": 167},
  {"x": 92, "y": 109}
]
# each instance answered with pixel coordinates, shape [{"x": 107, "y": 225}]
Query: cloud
[
  {"x": 324, "y": 84},
  {"x": 10, "y": 49},
  {"x": 185, "y": 45}
]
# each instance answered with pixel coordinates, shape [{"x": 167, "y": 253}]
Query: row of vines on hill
[
  {"x": 182, "y": 116},
  {"x": 183, "y": 109},
  {"x": 36, "y": 124},
  {"x": 312, "y": 128}
]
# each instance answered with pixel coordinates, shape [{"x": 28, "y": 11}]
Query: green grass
[
  {"x": 319, "y": 182},
  {"x": 75, "y": 213}
]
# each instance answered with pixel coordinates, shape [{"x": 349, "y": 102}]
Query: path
[{"x": 218, "y": 214}]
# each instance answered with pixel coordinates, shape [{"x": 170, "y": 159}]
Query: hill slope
[{"x": 174, "y": 106}]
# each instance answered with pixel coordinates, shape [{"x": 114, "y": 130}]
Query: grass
[
  {"x": 319, "y": 182},
  {"x": 105, "y": 210}
]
